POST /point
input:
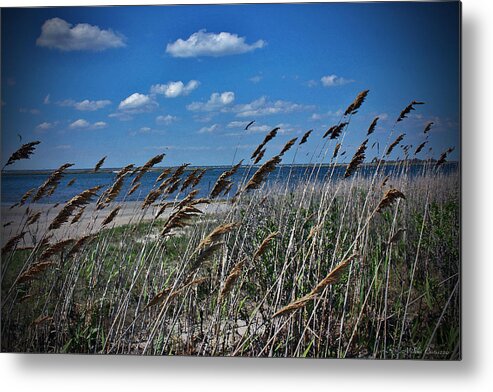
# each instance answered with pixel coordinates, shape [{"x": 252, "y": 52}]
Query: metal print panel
[{"x": 262, "y": 180}]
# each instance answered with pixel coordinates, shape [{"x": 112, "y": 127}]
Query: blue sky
[{"x": 132, "y": 82}]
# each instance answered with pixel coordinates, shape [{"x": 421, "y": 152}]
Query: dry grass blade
[
  {"x": 188, "y": 199},
  {"x": 331, "y": 278},
  {"x": 173, "y": 186},
  {"x": 385, "y": 180},
  {"x": 333, "y": 275},
  {"x": 26, "y": 196},
  {"x": 182, "y": 289},
  {"x": 189, "y": 180},
  {"x": 24, "y": 152},
  {"x": 337, "y": 130},
  {"x": 305, "y": 137},
  {"x": 259, "y": 157},
  {"x": 358, "y": 101},
  {"x": 76, "y": 202},
  {"x": 428, "y": 127},
  {"x": 34, "y": 271},
  {"x": 372, "y": 126},
  {"x": 133, "y": 189},
  {"x": 265, "y": 244},
  {"x": 144, "y": 169},
  {"x": 420, "y": 147},
  {"x": 197, "y": 179},
  {"x": 165, "y": 173},
  {"x": 293, "y": 306},
  {"x": 11, "y": 244},
  {"x": 33, "y": 218},
  {"x": 99, "y": 164},
  {"x": 260, "y": 175},
  {"x": 41, "y": 320},
  {"x": 179, "y": 171},
  {"x": 408, "y": 109},
  {"x": 288, "y": 146},
  {"x": 180, "y": 219},
  {"x": 231, "y": 279},
  {"x": 77, "y": 216},
  {"x": 216, "y": 234},
  {"x": 357, "y": 159},
  {"x": 158, "y": 298},
  {"x": 54, "y": 249},
  {"x": 395, "y": 143},
  {"x": 271, "y": 135},
  {"x": 52, "y": 182},
  {"x": 389, "y": 198},
  {"x": 78, "y": 245},
  {"x": 336, "y": 150},
  {"x": 151, "y": 197},
  {"x": 224, "y": 180},
  {"x": 125, "y": 170},
  {"x": 111, "y": 216},
  {"x": 204, "y": 254},
  {"x": 71, "y": 182}
]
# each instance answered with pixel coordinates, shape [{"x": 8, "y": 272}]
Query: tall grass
[{"x": 364, "y": 266}]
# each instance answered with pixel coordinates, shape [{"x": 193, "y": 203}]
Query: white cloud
[
  {"x": 80, "y": 123},
  {"x": 46, "y": 101},
  {"x": 262, "y": 107},
  {"x": 202, "y": 43},
  {"x": 238, "y": 124},
  {"x": 256, "y": 79},
  {"x": 137, "y": 103},
  {"x": 58, "y": 34},
  {"x": 212, "y": 128},
  {"x": 175, "y": 89},
  {"x": 329, "y": 114},
  {"x": 99, "y": 124},
  {"x": 86, "y": 104},
  {"x": 165, "y": 120},
  {"x": 334, "y": 80},
  {"x": 83, "y": 124},
  {"x": 44, "y": 126},
  {"x": 216, "y": 101}
]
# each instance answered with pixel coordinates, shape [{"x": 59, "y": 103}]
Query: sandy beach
[{"x": 14, "y": 219}]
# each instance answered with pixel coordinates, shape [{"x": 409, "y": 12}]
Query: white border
[{"x": 87, "y": 373}]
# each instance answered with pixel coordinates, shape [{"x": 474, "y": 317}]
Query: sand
[{"x": 89, "y": 223}]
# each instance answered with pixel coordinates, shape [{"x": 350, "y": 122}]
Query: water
[{"x": 14, "y": 185}]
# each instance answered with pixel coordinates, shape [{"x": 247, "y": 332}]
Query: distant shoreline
[{"x": 160, "y": 168}]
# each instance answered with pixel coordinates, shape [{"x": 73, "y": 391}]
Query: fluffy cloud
[
  {"x": 83, "y": 124},
  {"x": 44, "y": 126},
  {"x": 256, "y": 79},
  {"x": 329, "y": 114},
  {"x": 334, "y": 80},
  {"x": 58, "y": 34},
  {"x": 212, "y": 128},
  {"x": 137, "y": 103},
  {"x": 86, "y": 104},
  {"x": 202, "y": 43},
  {"x": 165, "y": 120},
  {"x": 80, "y": 123},
  {"x": 216, "y": 101},
  {"x": 263, "y": 107},
  {"x": 175, "y": 89}
]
